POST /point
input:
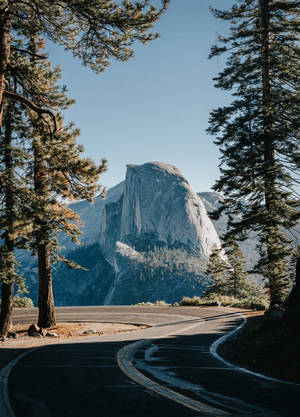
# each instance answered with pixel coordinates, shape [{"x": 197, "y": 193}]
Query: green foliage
[
  {"x": 215, "y": 299},
  {"x": 169, "y": 260},
  {"x": 94, "y": 31},
  {"x": 22, "y": 302},
  {"x": 216, "y": 270},
  {"x": 237, "y": 283},
  {"x": 159, "y": 303},
  {"x": 258, "y": 133}
]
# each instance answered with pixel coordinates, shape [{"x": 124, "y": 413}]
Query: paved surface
[{"x": 165, "y": 370}]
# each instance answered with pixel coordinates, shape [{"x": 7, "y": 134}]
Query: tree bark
[
  {"x": 293, "y": 303},
  {"x": 7, "y": 292},
  {"x": 276, "y": 295},
  {"x": 46, "y": 301},
  {"x": 9, "y": 282}
]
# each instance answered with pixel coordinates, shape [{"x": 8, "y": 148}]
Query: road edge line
[
  {"x": 230, "y": 335},
  {"x": 6, "y": 409}
]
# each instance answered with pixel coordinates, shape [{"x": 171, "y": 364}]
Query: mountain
[
  {"x": 157, "y": 235},
  {"x": 150, "y": 239}
]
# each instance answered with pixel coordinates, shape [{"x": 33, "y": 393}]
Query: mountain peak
[
  {"x": 156, "y": 166},
  {"x": 158, "y": 206}
]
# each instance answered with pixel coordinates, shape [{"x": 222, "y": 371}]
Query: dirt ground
[{"x": 10, "y": 347}]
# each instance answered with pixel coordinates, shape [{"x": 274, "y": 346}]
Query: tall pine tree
[
  {"x": 258, "y": 133},
  {"x": 13, "y": 221},
  {"x": 58, "y": 172},
  {"x": 96, "y": 31}
]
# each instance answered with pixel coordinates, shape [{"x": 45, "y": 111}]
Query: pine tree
[
  {"x": 237, "y": 278},
  {"x": 58, "y": 172},
  {"x": 95, "y": 31},
  {"x": 8, "y": 227},
  {"x": 13, "y": 223},
  {"x": 216, "y": 269},
  {"x": 258, "y": 133},
  {"x": 53, "y": 172}
]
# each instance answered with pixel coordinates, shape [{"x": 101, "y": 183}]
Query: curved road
[{"x": 164, "y": 370}]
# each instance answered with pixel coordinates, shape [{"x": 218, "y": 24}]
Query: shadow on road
[{"x": 83, "y": 379}]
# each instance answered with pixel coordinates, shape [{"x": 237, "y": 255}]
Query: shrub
[
  {"x": 188, "y": 301},
  {"x": 22, "y": 302},
  {"x": 252, "y": 304},
  {"x": 214, "y": 299},
  {"x": 161, "y": 303}
]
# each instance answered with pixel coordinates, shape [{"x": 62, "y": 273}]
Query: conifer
[
  {"x": 216, "y": 269},
  {"x": 258, "y": 133},
  {"x": 237, "y": 284},
  {"x": 95, "y": 31},
  {"x": 58, "y": 173},
  {"x": 13, "y": 223}
]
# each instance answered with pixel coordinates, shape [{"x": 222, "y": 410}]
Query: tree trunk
[
  {"x": 9, "y": 281},
  {"x": 46, "y": 301},
  {"x": 272, "y": 240},
  {"x": 293, "y": 303},
  {"x": 7, "y": 292},
  {"x": 5, "y": 43}
]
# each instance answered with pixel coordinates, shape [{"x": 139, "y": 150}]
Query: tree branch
[
  {"x": 29, "y": 53},
  {"x": 31, "y": 105}
]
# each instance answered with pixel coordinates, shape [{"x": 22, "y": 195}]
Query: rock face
[
  {"x": 158, "y": 205},
  {"x": 158, "y": 218}
]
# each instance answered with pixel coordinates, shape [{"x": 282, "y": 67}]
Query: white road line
[
  {"x": 198, "y": 367},
  {"x": 68, "y": 366},
  {"x": 214, "y": 351},
  {"x": 6, "y": 409},
  {"x": 125, "y": 363}
]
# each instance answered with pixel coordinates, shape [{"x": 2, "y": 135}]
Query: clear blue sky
[{"x": 156, "y": 106}]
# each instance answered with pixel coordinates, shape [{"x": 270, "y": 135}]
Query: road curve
[{"x": 164, "y": 370}]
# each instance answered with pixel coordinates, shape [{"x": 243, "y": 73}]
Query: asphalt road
[{"x": 165, "y": 370}]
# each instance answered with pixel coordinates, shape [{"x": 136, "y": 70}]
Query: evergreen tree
[
  {"x": 258, "y": 133},
  {"x": 95, "y": 31},
  {"x": 237, "y": 277},
  {"x": 52, "y": 172},
  {"x": 216, "y": 270},
  {"x": 58, "y": 172},
  {"x": 12, "y": 221}
]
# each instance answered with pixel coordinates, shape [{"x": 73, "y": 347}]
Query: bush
[
  {"x": 213, "y": 299},
  {"x": 188, "y": 301},
  {"x": 161, "y": 303},
  {"x": 22, "y": 302},
  {"x": 252, "y": 304}
]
